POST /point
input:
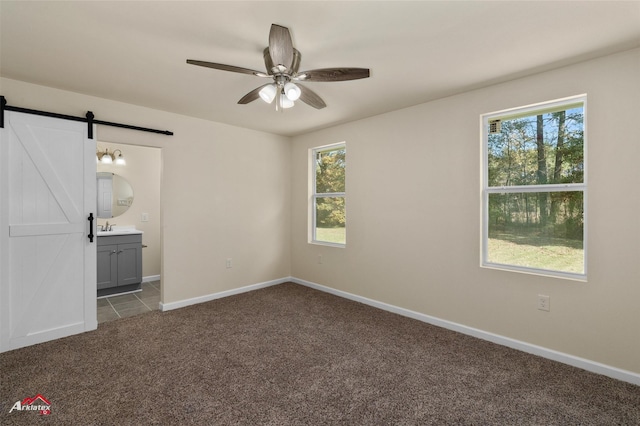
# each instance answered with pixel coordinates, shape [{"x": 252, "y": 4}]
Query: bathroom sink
[{"x": 119, "y": 230}]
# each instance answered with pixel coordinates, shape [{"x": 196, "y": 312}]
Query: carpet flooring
[{"x": 290, "y": 355}]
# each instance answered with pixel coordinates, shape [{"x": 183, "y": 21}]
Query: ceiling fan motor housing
[{"x": 268, "y": 62}]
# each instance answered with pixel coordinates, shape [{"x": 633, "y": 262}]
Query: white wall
[
  {"x": 143, "y": 172},
  {"x": 225, "y": 191},
  {"x": 413, "y": 216}
]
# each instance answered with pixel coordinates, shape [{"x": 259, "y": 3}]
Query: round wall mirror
[{"x": 115, "y": 195}]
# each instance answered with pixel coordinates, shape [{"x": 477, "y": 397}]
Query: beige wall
[
  {"x": 143, "y": 172},
  {"x": 413, "y": 216},
  {"x": 225, "y": 191}
]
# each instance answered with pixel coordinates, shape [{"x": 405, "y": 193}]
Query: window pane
[
  {"x": 330, "y": 220},
  {"x": 538, "y": 149},
  {"x": 537, "y": 230},
  {"x": 330, "y": 166}
]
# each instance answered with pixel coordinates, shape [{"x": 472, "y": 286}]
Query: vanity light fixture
[{"x": 106, "y": 157}]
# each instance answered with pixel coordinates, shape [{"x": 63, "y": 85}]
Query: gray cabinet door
[
  {"x": 107, "y": 266},
  {"x": 119, "y": 260},
  {"x": 129, "y": 263}
]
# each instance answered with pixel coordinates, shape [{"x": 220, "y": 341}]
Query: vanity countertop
[{"x": 119, "y": 230}]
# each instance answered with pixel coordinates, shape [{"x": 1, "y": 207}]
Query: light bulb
[
  {"x": 106, "y": 159},
  {"x": 285, "y": 102},
  {"x": 268, "y": 93},
  {"x": 292, "y": 91},
  {"x": 120, "y": 160}
]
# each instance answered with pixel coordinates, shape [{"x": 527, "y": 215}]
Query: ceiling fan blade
[
  {"x": 310, "y": 97},
  {"x": 252, "y": 95},
  {"x": 280, "y": 46},
  {"x": 333, "y": 74},
  {"x": 224, "y": 67}
]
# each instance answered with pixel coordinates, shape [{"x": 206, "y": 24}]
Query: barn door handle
[{"x": 90, "y": 219}]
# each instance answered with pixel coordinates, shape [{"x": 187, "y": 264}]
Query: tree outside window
[{"x": 329, "y": 213}]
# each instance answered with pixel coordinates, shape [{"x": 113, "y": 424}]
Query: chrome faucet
[{"x": 106, "y": 227}]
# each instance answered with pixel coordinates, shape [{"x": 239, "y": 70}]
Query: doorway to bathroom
[{"x": 136, "y": 204}]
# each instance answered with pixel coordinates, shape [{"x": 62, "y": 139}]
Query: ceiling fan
[{"x": 282, "y": 62}]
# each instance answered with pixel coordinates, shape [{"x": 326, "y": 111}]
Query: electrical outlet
[
  {"x": 144, "y": 217},
  {"x": 320, "y": 259},
  {"x": 543, "y": 303},
  {"x": 229, "y": 263}
]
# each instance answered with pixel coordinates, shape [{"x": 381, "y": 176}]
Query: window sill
[
  {"x": 328, "y": 244},
  {"x": 538, "y": 272}
]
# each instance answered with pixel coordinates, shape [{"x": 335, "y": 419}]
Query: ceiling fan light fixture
[
  {"x": 292, "y": 92},
  {"x": 268, "y": 93}
]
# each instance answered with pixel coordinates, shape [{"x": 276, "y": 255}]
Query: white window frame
[
  {"x": 549, "y": 188},
  {"x": 313, "y": 195}
]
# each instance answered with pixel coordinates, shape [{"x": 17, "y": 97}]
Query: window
[
  {"x": 328, "y": 198},
  {"x": 534, "y": 189}
]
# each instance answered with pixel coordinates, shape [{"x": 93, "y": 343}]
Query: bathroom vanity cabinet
[{"x": 119, "y": 263}]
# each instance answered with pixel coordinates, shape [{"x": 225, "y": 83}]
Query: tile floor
[{"x": 127, "y": 305}]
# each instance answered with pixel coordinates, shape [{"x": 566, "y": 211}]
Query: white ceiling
[{"x": 417, "y": 51}]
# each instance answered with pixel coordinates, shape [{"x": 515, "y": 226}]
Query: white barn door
[{"x": 47, "y": 263}]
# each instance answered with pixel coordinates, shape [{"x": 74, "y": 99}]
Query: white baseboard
[
  {"x": 151, "y": 278},
  {"x": 219, "y": 295},
  {"x": 585, "y": 364}
]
